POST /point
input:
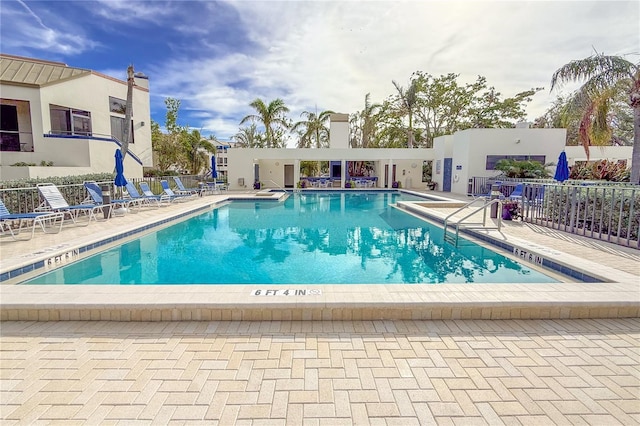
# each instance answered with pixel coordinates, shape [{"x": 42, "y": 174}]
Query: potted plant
[
  {"x": 256, "y": 185},
  {"x": 510, "y": 210}
]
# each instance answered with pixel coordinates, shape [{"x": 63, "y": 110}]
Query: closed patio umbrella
[
  {"x": 562, "y": 169},
  {"x": 120, "y": 180},
  {"x": 214, "y": 170}
]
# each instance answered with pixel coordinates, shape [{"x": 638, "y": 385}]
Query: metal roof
[{"x": 35, "y": 72}]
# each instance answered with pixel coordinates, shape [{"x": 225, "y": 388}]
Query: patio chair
[
  {"x": 487, "y": 196},
  {"x": 55, "y": 202},
  {"x": 148, "y": 193},
  {"x": 535, "y": 197},
  {"x": 516, "y": 194},
  {"x": 222, "y": 185},
  {"x": 43, "y": 219},
  {"x": 95, "y": 196},
  {"x": 181, "y": 188},
  {"x": 172, "y": 195},
  {"x": 132, "y": 193}
]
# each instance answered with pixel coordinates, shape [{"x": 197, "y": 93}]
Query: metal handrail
[
  {"x": 277, "y": 186},
  {"x": 94, "y": 136},
  {"x": 484, "y": 216},
  {"x": 469, "y": 204}
]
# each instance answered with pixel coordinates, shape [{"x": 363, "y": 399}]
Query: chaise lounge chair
[
  {"x": 95, "y": 196},
  {"x": 172, "y": 195},
  {"x": 182, "y": 190},
  {"x": 148, "y": 193},
  {"x": 44, "y": 219},
  {"x": 133, "y": 194},
  {"x": 55, "y": 202}
]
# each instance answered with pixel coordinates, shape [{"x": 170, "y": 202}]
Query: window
[
  {"x": 69, "y": 121},
  {"x": 9, "y": 135},
  {"x": 118, "y": 106},
  {"x": 492, "y": 160},
  {"x": 117, "y": 129}
]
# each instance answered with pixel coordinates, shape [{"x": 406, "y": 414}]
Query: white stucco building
[
  {"x": 455, "y": 159},
  {"x": 70, "y": 118},
  {"x": 474, "y": 152}
]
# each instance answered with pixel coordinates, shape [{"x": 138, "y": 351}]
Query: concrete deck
[{"x": 286, "y": 372}]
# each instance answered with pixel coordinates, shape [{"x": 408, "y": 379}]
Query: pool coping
[{"x": 619, "y": 297}]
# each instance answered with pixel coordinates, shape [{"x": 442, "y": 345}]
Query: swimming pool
[{"x": 311, "y": 238}]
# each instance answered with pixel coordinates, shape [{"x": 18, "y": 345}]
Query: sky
[{"x": 216, "y": 57}]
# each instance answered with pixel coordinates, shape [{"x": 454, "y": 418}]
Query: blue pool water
[{"x": 311, "y": 238}]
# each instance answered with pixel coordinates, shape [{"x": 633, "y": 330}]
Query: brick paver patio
[
  {"x": 534, "y": 372},
  {"x": 394, "y": 372}
]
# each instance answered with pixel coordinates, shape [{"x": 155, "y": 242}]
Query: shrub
[
  {"x": 614, "y": 171},
  {"x": 522, "y": 169}
]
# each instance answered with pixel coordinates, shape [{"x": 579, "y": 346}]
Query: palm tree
[
  {"x": 314, "y": 128},
  {"x": 363, "y": 124},
  {"x": 408, "y": 101},
  {"x": 270, "y": 116},
  {"x": 196, "y": 150},
  {"x": 128, "y": 111},
  {"x": 248, "y": 137},
  {"x": 601, "y": 73}
]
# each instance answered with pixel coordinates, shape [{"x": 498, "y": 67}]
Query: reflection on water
[{"x": 320, "y": 238}]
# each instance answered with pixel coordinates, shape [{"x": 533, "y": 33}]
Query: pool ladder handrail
[
  {"x": 473, "y": 225},
  {"x": 277, "y": 186}
]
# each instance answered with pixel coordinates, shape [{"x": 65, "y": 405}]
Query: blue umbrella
[
  {"x": 120, "y": 179},
  {"x": 214, "y": 171},
  {"x": 562, "y": 169}
]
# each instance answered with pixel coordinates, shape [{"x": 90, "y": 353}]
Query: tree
[
  {"x": 272, "y": 117},
  {"x": 443, "y": 106},
  {"x": 389, "y": 129},
  {"x": 363, "y": 124},
  {"x": 180, "y": 147},
  {"x": 196, "y": 150},
  {"x": 314, "y": 130},
  {"x": 489, "y": 111},
  {"x": 249, "y": 137},
  {"x": 602, "y": 72},
  {"x": 128, "y": 111},
  {"x": 167, "y": 146},
  {"x": 408, "y": 99}
]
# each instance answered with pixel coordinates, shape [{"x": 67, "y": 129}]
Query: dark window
[
  {"x": 118, "y": 106},
  {"x": 117, "y": 129},
  {"x": 9, "y": 136},
  {"x": 492, "y": 160},
  {"x": 67, "y": 121}
]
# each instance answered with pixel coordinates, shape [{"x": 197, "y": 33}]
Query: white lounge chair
[
  {"x": 55, "y": 202},
  {"x": 45, "y": 220}
]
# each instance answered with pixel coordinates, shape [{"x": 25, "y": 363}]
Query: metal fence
[
  {"x": 604, "y": 212},
  {"x": 482, "y": 185},
  {"x": 25, "y": 200}
]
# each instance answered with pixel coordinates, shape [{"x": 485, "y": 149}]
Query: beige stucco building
[{"x": 68, "y": 121}]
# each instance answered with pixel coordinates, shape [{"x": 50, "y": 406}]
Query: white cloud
[
  {"x": 25, "y": 29},
  {"x": 330, "y": 54}
]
